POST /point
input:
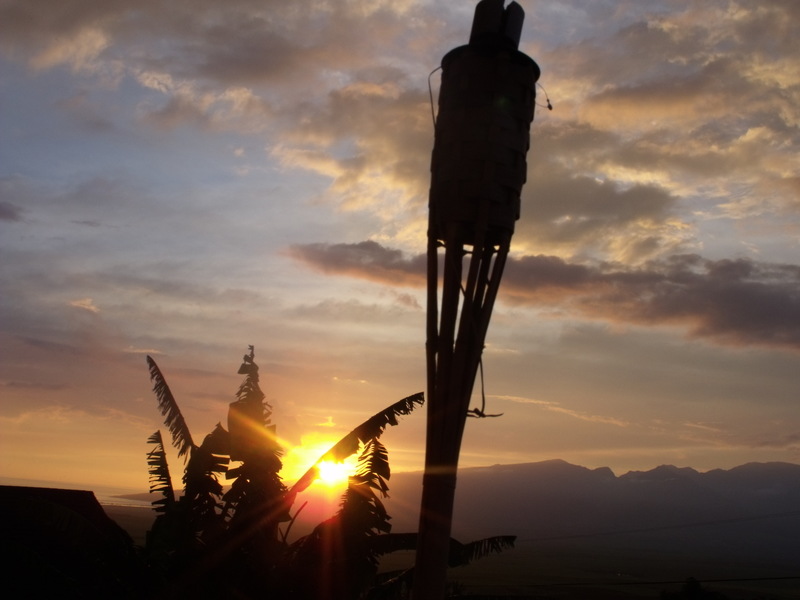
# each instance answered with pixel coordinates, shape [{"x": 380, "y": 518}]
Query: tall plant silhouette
[
  {"x": 186, "y": 529},
  {"x": 254, "y": 506},
  {"x": 209, "y": 543}
]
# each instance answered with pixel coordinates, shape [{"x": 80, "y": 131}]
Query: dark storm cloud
[
  {"x": 736, "y": 302},
  {"x": 739, "y": 302}
]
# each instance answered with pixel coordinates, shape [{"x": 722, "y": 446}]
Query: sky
[{"x": 184, "y": 179}]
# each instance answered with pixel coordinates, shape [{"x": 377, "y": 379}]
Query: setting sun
[
  {"x": 333, "y": 474},
  {"x": 298, "y": 459}
]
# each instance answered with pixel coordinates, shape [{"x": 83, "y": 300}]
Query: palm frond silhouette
[
  {"x": 173, "y": 418},
  {"x": 213, "y": 542},
  {"x": 370, "y": 429},
  {"x": 159, "y": 475}
]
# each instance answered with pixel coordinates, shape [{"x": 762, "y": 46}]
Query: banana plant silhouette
[{"x": 214, "y": 543}]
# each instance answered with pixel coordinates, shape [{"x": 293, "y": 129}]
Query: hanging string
[
  {"x": 430, "y": 94},
  {"x": 480, "y": 413},
  {"x": 548, "y": 106}
]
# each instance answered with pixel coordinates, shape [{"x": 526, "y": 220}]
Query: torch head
[{"x": 486, "y": 104}]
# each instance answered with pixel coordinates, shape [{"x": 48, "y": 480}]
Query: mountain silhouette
[{"x": 748, "y": 513}]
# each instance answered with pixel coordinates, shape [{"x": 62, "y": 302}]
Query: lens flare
[{"x": 333, "y": 474}]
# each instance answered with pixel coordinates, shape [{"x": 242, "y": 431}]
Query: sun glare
[{"x": 333, "y": 474}]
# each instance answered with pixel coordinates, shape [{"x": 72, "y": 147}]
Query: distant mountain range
[{"x": 750, "y": 512}]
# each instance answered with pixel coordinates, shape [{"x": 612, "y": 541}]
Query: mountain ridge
[{"x": 750, "y": 512}]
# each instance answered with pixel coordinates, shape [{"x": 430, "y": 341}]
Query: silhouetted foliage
[
  {"x": 372, "y": 428},
  {"x": 160, "y": 479},
  {"x": 213, "y": 544},
  {"x": 173, "y": 419},
  {"x": 339, "y": 554}
]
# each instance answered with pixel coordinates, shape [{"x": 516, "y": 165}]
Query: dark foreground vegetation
[
  {"x": 583, "y": 534},
  {"x": 212, "y": 543}
]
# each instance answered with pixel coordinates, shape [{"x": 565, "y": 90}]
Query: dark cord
[
  {"x": 480, "y": 412},
  {"x": 430, "y": 94},
  {"x": 548, "y": 106}
]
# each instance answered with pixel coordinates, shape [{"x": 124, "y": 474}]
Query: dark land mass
[
  {"x": 588, "y": 534},
  {"x": 61, "y": 544}
]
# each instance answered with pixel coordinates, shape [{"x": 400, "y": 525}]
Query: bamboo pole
[{"x": 474, "y": 201}]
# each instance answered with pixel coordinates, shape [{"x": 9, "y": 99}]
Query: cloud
[
  {"x": 659, "y": 105},
  {"x": 59, "y": 414},
  {"x": 86, "y": 304},
  {"x": 328, "y": 422},
  {"x": 80, "y": 51},
  {"x": 695, "y": 104},
  {"x": 346, "y": 106},
  {"x": 34, "y": 385},
  {"x": 670, "y": 155},
  {"x": 737, "y": 302},
  {"x": 568, "y": 213},
  {"x": 364, "y": 260},
  {"x": 406, "y": 300},
  {"x": 768, "y": 435},
  {"x": 9, "y": 212},
  {"x": 372, "y": 138},
  {"x": 555, "y": 407},
  {"x": 351, "y": 313},
  {"x": 187, "y": 104},
  {"x": 146, "y": 351},
  {"x": 703, "y": 427},
  {"x": 782, "y": 441},
  {"x": 179, "y": 109}
]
